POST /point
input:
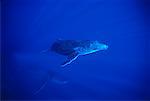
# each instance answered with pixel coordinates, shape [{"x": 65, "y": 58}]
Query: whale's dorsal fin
[{"x": 73, "y": 56}]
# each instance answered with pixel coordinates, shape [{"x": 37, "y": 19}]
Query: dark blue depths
[{"x": 121, "y": 72}]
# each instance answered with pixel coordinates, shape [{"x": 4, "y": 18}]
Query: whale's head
[
  {"x": 97, "y": 46},
  {"x": 91, "y": 47}
]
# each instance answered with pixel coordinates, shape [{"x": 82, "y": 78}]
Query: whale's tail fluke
[{"x": 53, "y": 78}]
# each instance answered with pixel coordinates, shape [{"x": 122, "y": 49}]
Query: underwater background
[{"x": 122, "y": 72}]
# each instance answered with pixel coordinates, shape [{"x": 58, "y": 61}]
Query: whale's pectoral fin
[{"x": 70, "y": 58}]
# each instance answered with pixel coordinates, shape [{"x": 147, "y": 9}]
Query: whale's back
[{"x": 64, "y": 47}]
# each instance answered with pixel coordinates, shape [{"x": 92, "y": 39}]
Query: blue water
[{"x": 120, "y": 73}]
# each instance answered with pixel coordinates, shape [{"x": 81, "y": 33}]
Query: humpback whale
[{"x": 75, "y": 48}]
